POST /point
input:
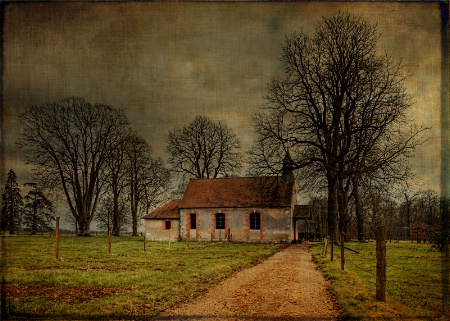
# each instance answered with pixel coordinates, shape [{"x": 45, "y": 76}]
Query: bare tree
[
  {"x": 204, "y": 149},
  {"x": 113, "y": 213},
  {"x": 428, "y": 207},
  {"x": 117, "y": 175},
  {"x": 319, "y": 214},
  {"x": 340, "y": 110},
  {"x": 148, "y": 179},
  {"x": 69, "y": 142}
]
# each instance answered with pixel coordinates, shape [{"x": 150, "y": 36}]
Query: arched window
[
  {"x": 255, "y": 221},
  {"x": 220, "y": 221}
]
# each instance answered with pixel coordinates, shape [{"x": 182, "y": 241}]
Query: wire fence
[{"x": 415, "y": 274}]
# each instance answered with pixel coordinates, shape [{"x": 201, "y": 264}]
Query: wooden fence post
[
  {"x": 332, "y": 247},
  {"x": 381, "y": 263},
  {"x": 57, "y": 237},
  {"x": 109, "y": 238},
  {"x": 145, "y": 241},
  {"x": 169, "y": 236},
  {"x": 342, "y": 252},
  {"x": 325, "y": 247}
]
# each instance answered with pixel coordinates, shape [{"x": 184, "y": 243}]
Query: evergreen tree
[
  {"x": 38, "y": 211},
  {"x": 10, "y": 218}
]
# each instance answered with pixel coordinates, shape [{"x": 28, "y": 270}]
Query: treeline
[
  {"x": 414, "y": 215},
  {"x": 89, "y": 155}
]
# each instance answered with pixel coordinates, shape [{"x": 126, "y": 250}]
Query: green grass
[
  {"x": 413, "y": 288},
  {"x": 88, "y": 283}
]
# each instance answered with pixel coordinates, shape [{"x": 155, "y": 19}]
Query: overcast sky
[{"x": 165, "y": 63}]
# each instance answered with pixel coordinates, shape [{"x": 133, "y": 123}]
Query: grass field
[
  {"x": 88, "y": 283},
  {"x": 413, "y": 288}
]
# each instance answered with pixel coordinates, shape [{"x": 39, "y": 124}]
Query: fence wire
[{"x": 403, "y": 292}]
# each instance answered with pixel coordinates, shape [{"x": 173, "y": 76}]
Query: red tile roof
[
  {"x": 166, "y": 211},
  {"x": 238, "y": 192}
]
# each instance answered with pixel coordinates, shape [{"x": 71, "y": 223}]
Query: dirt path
[{"x": 287, "y": 286}]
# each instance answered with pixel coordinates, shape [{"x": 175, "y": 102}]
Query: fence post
[
  {"x": 109, "y": 238},
  {"x": 145, "y": 241},
  {"x": 325, "y": 247},
  {"x": 170, "y": 230},
  {"x": 57, "y": 237},
  {"x": 381, "y": 263},
  {"x": 332, "y": 247},
  {"x": 342, "y": 252}
]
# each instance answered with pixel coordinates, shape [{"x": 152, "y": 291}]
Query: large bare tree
[
  {"x": 69, "y": 142},
  {"x": 204, "y": 149},
  {"x": 148, "y": 179},
  {"x": 117, "y": 175},
  {"x": 340, "y": 110}
]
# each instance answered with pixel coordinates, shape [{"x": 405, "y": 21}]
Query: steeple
[{"x": 287, "y": 174}]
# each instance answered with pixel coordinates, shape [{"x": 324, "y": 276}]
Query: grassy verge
[
  {"x": 88, "y": 283},
  {"x": 413, "y": 289}
]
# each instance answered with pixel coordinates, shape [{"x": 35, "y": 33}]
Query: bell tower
[{"x": 287, "y": 174}]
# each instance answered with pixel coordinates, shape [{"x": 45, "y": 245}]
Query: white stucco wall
[
  {"x": 155, "y": 230},
  {"x": 276, "y": 225}
]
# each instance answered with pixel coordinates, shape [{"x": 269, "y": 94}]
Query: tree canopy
[
  {"x": 340, "y": 110},
  {"x": 69, "y": 142},
  {"x": 204, "y": 149}
]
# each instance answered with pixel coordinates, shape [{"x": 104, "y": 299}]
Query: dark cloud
[{"x": 165, "y": 63}]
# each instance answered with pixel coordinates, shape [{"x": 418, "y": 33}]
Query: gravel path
[{"x": 287, "y": 286}]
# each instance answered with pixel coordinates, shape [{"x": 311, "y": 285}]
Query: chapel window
[
  {"x": 220, "y": 221},
  {"x": 255, "y": 221},
  {"x": 193, "y": 221}
]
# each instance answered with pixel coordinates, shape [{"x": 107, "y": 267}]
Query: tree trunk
[
  {"x": 11, "y": 220},
  {"x": 343, "y": 208},
  {"x": 342, "y": 251},
  {"x": 333, "y": 206},
  {"x": 115, "y": 217},
  {"x": 34, "y": 220},
  {"x": 135, "y": 226},
  {"x": 408, "y": 217},
  {"x": 83, "y": 226},
  {"x": 115, "y": 214},
  {"x": 134, "y": 213},
  {"x": 358, "y": 211},
  {"x": 381, "y": 263}
]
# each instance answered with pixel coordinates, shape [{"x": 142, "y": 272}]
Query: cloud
[{"x": 165, "y": 63}]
